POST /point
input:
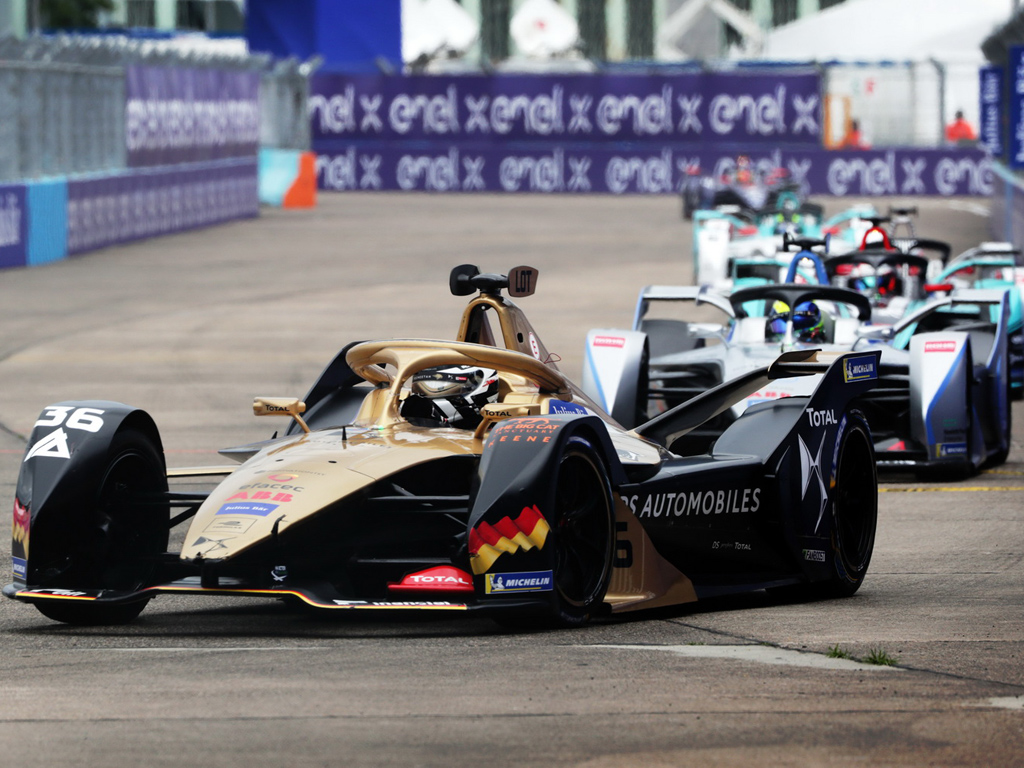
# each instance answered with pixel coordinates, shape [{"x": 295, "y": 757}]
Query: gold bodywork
[{"x": 290, "y": 479}]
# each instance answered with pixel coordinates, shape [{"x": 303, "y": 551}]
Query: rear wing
[
  {"x": 698, "y": 295},
  {"x": 857, "y": 368}
]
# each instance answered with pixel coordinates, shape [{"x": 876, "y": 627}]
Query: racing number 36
[{"x": 82, "y": 418}]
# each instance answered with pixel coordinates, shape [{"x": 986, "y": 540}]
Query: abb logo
[
  {"x": 940, "y": 346},
  {"x": 609, "y": 341}
]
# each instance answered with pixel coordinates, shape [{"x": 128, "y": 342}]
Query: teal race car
[{"x": 993, "y": 265}]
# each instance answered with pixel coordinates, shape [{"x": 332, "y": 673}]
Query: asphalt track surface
[{"x": 192, "y": 326}]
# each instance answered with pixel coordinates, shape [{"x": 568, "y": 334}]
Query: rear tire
[{"x": 120, "y": 534}]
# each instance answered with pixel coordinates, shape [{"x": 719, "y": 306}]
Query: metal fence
[
  {"x": 62, "y": 100},
  {"x": 898, "y": 103}
]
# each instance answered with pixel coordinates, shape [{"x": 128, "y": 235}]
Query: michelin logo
[
  {"x": 859, "y": 369},
  {"x": 535, "y": 581}
]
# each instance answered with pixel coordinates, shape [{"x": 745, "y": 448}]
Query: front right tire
[
  {"x": 854, "y": 510},
  {"x": 119, "y": 535}
]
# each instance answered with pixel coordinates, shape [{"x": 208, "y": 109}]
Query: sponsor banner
[
  {"x": 456, "y": 166},
  {"x": 940, "y": 346},
  {"x": 530, "y": 581},
  {"x": 13, "y": 225},
  {"x": 695, "y": 107},
  {"x": 859, "y": 369},
  {"x": 560, "y": 406},
  {"x": 180, "y": 115},
  {"x": 990, "y": 129},
  {"x": 144, "y": 203},
  {"x": 1015, "y": 64},
  {"x": 247, "y": 508}
]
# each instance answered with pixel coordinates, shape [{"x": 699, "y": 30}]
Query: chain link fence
[
  {"x": 62, "y": 100},
  {"x": 898, "y": 103}
]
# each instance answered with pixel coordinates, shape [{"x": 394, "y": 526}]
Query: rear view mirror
[
  {"x": 875, "y": 332},
  {"x": 706, "y": 331},
  {"x": 522, "y": 281}
]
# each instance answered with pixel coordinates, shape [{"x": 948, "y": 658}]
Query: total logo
[
  {"x": 821, "y": 418},
  {"x": 440, "y": 578}
]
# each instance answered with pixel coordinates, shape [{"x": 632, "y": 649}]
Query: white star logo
[{"x": 810, "y": 467}]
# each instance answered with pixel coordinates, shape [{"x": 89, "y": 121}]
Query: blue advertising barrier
[
  {"x": 617, "y": 134},
  {"x": 118, "y": 208},
  {"x": 187, "y": 115},
  {"x": 556, "y": 168},
  {"x": 44, "y": 221},
  {"x": 47, "y": 221},
  {"x": 754, "y": 108},
  {"x": 13, "y": 225}
]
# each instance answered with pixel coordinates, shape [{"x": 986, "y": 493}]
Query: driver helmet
[
  {"x": 744, "y": 171},
  {"x": 775, "y": 327},
  {"x": 456, "y": 381},
  {"x": 808, "y": 322},
  {"x": 787, "y": 221},
  {"x": 889, "y": 285}
]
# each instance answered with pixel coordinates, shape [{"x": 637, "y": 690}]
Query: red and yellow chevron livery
[{"x": 487, "y": 542}]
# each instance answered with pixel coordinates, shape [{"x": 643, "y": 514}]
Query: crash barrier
[
  {"x": 602, "y": 133},
  {"x": 1006, "y": 207},
  {"x": 472, "y": 167},
  {"x": 287, "y": 178},
  {"x": 82, "y": 104},
  {"x": 110, "y": 139},
  {"x": 49, "y": 220}
]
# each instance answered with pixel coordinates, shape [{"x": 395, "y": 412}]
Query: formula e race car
[
  {"x": 726, "y": 237},
  {"x": 741, "y": 183},
  {"x": 941, "y": 403},
  {"x": 455, "y": 476},
  {"x": 994, "y": 265}
]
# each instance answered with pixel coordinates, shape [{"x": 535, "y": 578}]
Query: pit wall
[
  {"x": 603, "y": 133},
  {"x": 52, "y": 219}
]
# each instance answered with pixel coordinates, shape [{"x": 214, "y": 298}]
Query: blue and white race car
[{"x": 942, "y": 399}]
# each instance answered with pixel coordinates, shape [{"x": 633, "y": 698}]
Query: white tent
[
  {"x": 893, "y": 30},
  {"x": 542, "y": 28},
  {"x": 432, "y": 28}
]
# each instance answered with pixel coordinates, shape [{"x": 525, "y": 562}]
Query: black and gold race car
[{"x": 466, "y": 475}]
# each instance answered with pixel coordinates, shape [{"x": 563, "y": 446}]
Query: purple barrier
[
  {"x": 702, "y": 107},
  {"x": 117, "y": 209},
  {"x": 177, "y": 115},
  {"x": 573, "y": 168},
  {"x": 13, "y": 226}
]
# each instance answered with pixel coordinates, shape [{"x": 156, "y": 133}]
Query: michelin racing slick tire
[
  {"x": 854, "y": 510},
  {"x": 120, "y": 534},
  {"x": 583, "y": 529}
]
